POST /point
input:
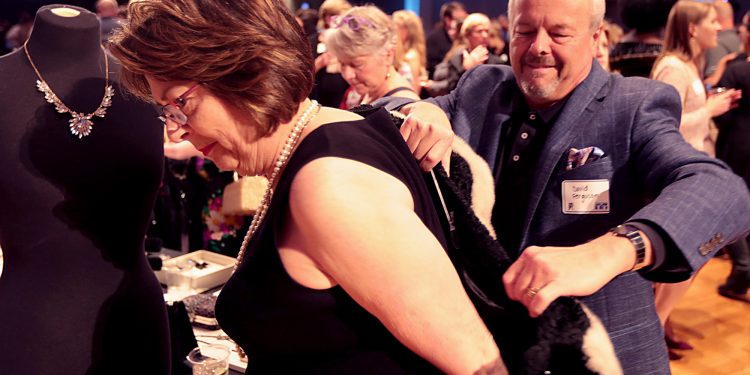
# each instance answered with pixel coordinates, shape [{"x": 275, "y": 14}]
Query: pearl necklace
[
  {"x": 80, "y": 124},
  {"x": 291, "y": 142}
]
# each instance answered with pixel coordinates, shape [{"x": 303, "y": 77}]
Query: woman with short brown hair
[{"x": 343, "y": 269}]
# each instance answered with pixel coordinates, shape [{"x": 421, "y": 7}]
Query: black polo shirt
[{"x": 523, "y": 137}]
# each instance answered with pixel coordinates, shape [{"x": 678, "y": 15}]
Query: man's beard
[{"x": 539, "y": 90}]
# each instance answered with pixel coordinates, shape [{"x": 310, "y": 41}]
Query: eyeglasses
[
  {"x": 354, "y": 22},
  {"x": 173, "y": 110}
]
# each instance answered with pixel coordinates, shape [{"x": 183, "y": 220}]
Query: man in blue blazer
[{"x": 594, "y": 181}]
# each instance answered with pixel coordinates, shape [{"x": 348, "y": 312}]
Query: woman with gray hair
[{"x": 365, "y": 43}]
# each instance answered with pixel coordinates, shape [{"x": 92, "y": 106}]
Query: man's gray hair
[{"x": 599, "y": 7}]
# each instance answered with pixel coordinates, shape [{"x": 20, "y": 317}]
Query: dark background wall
[{"x": 429, "y": 9}]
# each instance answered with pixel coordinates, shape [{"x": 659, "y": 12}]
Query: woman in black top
[{"x": 343, "y": 270}]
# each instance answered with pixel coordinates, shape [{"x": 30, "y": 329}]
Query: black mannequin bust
[{"x": 77, "y": 295}]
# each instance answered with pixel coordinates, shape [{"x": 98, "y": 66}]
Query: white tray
[{"x": 197, "y": 271}]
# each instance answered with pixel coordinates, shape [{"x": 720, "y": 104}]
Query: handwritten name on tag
[{"x": 585, "y": 197}]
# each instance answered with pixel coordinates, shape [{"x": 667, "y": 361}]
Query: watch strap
[{"x": 631, "y": 233}]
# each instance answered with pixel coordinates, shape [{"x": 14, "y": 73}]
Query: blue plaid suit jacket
[{"x": 694, "y": 201}]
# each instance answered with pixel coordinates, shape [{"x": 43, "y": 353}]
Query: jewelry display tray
[{"x": 200, "y": 270}]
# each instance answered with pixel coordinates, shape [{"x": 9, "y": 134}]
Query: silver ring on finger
[{"x": 532, "y": 292}]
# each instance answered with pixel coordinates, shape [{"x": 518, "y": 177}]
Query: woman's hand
[
  {"x": 721, "y": 103},
  {"x": 322, "y": 61},
  {"x": 714, "y": 78},
  {"x": 477, "y": 56}
]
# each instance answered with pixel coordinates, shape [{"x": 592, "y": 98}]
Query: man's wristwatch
[{"x": 631, "y": 233}]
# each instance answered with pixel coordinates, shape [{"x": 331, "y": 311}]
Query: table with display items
[{"x": 199, "y": 273}]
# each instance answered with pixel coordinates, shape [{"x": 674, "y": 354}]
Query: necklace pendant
[{"x": 80, "y": 124}]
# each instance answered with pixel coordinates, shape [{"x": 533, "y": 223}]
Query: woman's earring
[{"x": 388, "y": 75}]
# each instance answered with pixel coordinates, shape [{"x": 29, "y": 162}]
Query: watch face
[{"x": 624, "y": 230}]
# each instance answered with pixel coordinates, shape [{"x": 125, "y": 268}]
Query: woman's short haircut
[
  {"x": 250, "y": 53},
  {"x": 471, "y": 21},
  {"x": 361, "y": 31}
]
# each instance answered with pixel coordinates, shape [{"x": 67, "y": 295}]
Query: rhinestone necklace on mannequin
[{"x": 80, "y": 123}]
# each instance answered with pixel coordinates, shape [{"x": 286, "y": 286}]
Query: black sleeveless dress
[{"x": 287, "y": 328}]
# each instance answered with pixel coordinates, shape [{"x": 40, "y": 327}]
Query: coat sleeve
[
  {"x": 699, "y": 204},
  {"x": 467, "y": 88}
]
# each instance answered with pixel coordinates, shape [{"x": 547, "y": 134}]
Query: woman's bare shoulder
[{"x": 329, "y": 115}]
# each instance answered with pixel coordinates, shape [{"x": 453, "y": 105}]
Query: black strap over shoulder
[
  {"x": 397, "y": 89},
  {"x": 392, "y": 103}
]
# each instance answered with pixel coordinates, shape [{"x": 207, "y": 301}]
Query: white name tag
[
  {"x": 585, "y": 197},
  {"x": 698, "y": 87}
]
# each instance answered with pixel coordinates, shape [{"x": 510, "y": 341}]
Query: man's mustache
[{"x": 539, "y": 60}]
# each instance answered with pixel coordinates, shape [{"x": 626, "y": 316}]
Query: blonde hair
[
  {"x": 363, "y": 30},
  {"x": 331, "y": 8},
  {"x": 677, "y": 33},
  {"x": 470, "y": 22},
  {"x": 414, "y": 33}
]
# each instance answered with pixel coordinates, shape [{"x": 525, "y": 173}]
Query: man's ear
[{"x": 595, "y": 38}]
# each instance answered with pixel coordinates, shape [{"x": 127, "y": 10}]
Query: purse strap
[
  {"x": 448, "y": 217},
  {"x": 392, "y": 104}
]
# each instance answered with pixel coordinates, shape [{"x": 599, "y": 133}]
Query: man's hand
[
  {"x": 428, "y": 134},
  {"x": 541, "y": 274}
]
